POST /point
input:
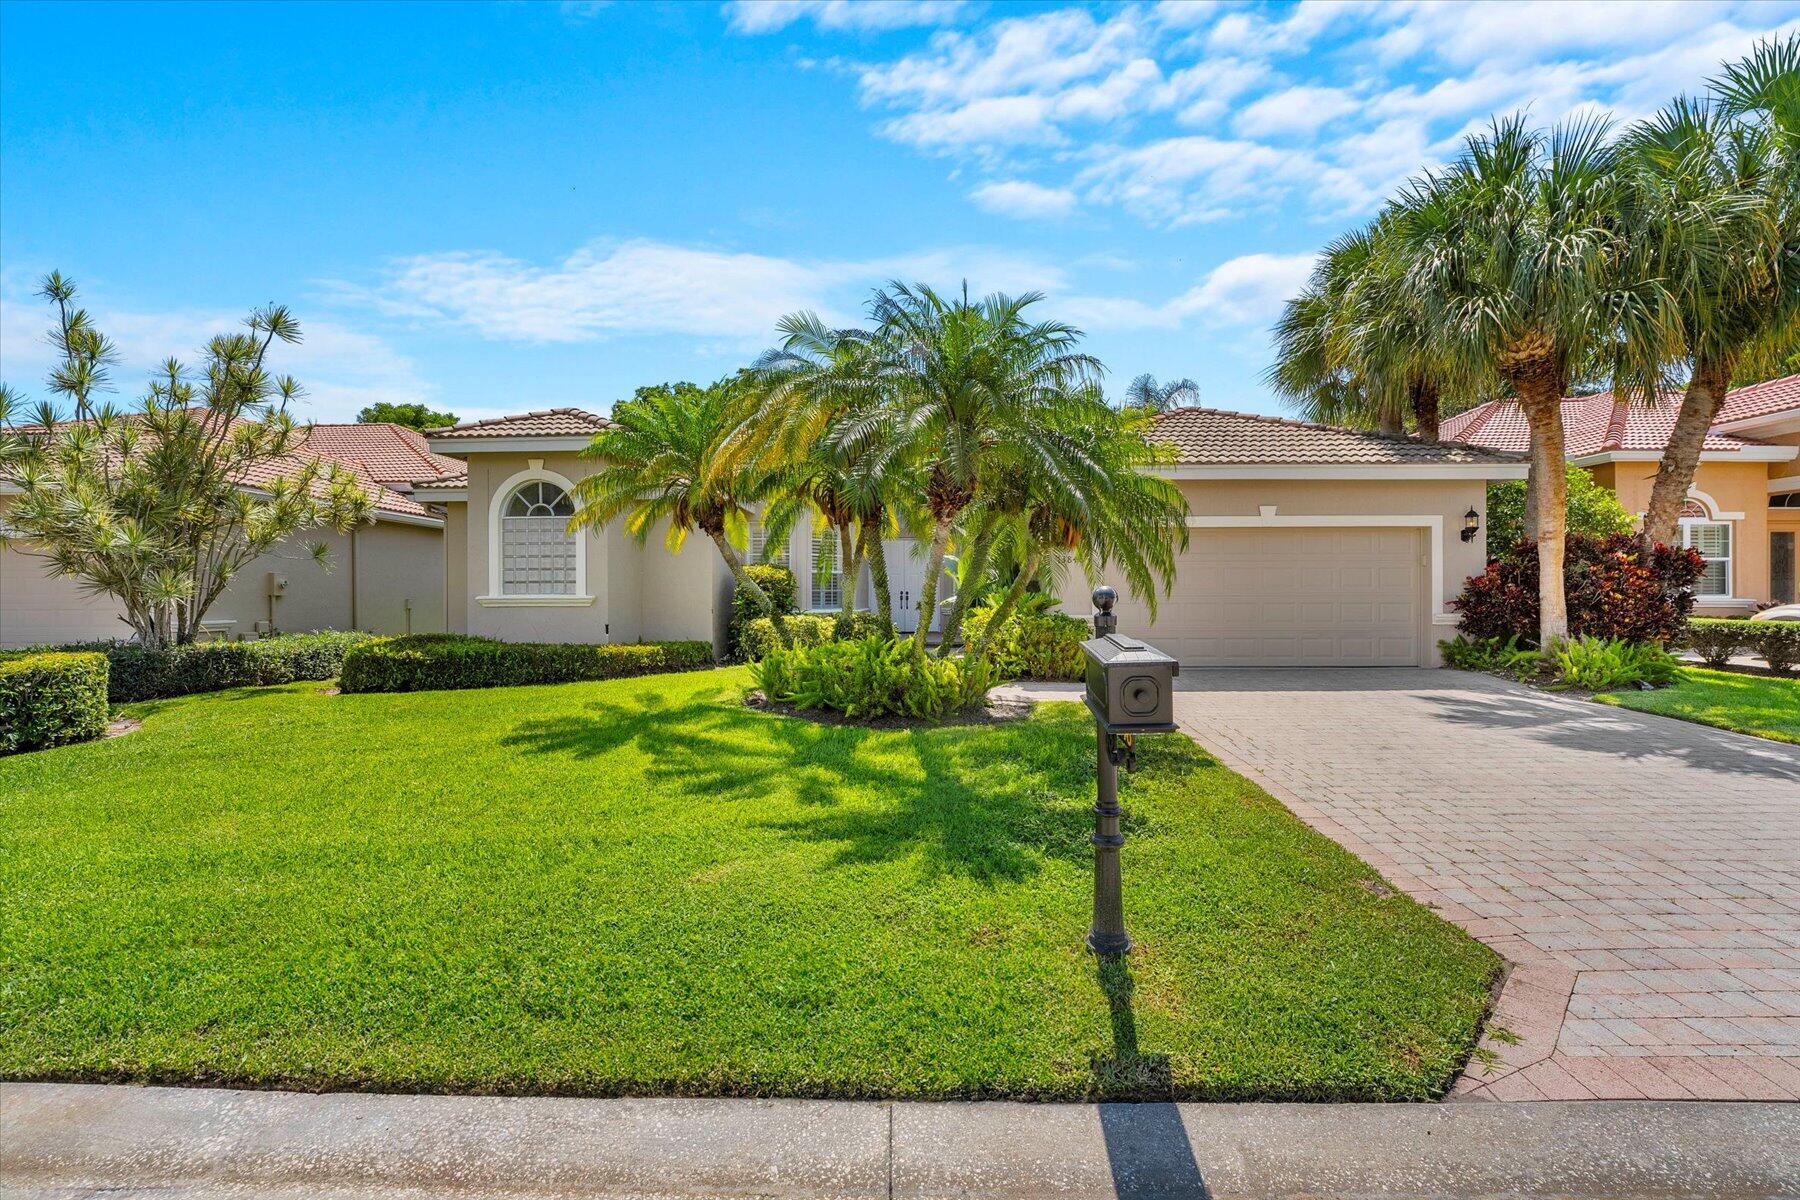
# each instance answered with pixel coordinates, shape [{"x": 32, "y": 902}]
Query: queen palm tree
[
  {"x": 682, "y": 460},
  {"x": 1721, "y": 185},
  {"x": 1521, "y": 258},
  {"x": 964, "y": 383}
]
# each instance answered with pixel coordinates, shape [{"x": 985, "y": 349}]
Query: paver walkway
[{"x": 1641, "y": 874}]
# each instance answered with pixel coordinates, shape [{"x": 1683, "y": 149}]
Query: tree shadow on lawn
[{"x": 990, "y": 803}]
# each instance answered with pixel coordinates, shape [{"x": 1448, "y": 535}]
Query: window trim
[
  {"x": 498, "y": 499},
  {"x": 1728, "y": 558}
]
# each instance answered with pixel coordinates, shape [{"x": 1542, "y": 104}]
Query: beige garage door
[{"x": 1295, "y": 597}]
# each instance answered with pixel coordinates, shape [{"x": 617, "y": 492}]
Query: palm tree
[
  {"x": 962, "y": 380},
  {"x": 1355, "y": 348},
  {"x": 682, "y": 459},
  {"x": 1521, "y": 258},
  {"x": 1136, "y": 523},
  {"x": 1144, "y": 394},
  {"x": 1721, "y": 186}
]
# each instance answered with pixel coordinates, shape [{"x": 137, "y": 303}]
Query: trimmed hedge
[
  {"x": 51, "y": 699},
  {"x": 445, "y": 661},
  {"x": 806, "y": 629},
  {"x": 1033, "y": 646},
  {"x": 139, "y": 673},
  {"x": 1716, "y": 639},
  {"x": 778, "y": 582}
]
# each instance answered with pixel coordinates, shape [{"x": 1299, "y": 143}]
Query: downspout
[{"x": 353, "y": 533}]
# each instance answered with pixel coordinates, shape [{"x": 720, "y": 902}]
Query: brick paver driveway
[{"x": 1641, "y": 874}]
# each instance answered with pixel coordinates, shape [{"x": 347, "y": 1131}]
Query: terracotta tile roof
[
  {"x": 455, "y": 479},
  {"x": 1761, "y": 399},
  {"x": 1591, "y": 425},
  {"x": 385, "y": 452},
  {"x": 386, "y": 499},
  {"x": 549, "y": 422},
  {"x": 1210, "y": 436}
]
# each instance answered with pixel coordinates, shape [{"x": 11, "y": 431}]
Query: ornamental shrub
[
  {"x": 1601, "y": 664},
  {"x": 51, "y": 698},
  {"x": 141, "y": 673},
  {"x": 778, "y": 582},
  {"x": 1043, "y": 645},
  {"x": 872, "y": 678},
  {"x": 440, "y": 662},
  {"x": 1590, "y": 509},
  {"x": 806, "y": 629},
  {"x": 1616, "y": 590},
  {"x": 1715, "y": 640}
]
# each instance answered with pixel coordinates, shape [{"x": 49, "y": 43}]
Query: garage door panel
[{"x": 1292, "y": 597}]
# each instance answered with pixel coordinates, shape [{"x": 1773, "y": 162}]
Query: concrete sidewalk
[{"x": 69, "y": 1140}]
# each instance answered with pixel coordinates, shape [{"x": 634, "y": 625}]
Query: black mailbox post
[{"x": 1130, "y": 690}]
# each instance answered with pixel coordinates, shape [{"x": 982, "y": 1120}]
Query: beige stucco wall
[
  {"x": 1733, "y": 488},
  {"x": 394, "y": 563},
  {"x": 633, "y": 592},
  {"x": 1414, "y": 502}
]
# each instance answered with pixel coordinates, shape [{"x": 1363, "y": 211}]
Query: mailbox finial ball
[{"x": 1104, "y": 598}]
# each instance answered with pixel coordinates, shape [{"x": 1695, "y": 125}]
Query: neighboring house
[
  {"x": 386, "y": 577},
  {"x": 1310, "y": 546},
  {"x": 1743, "y": 510}
]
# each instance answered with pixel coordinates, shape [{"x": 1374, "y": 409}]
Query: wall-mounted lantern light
[{"x": 1471, "y": 525}]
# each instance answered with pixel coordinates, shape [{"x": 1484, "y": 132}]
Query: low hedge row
[
  {"x": 444, "y": 661},
  {"x": 51, "y": 699},
  {"x": 869, "y": 679},
  {"x": 1032, "y": 645},
  {"x": 1716, "y": 639},
  {"x": 139, "y": 673},
  {"x": 806, "y": 629}
]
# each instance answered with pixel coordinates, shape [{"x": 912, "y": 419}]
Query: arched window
[{"x": 537, "y": 551}]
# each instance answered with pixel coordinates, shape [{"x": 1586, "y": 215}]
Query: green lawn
[
  {"x": 642, "y": 887},
  {"x": 1757, "y": 704}
]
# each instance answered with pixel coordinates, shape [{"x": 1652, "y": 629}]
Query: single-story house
[
  {"x": 1309, "y": 545},
  {"x": 385, "y": 577},
  {"x": 1743, "y": 510}
]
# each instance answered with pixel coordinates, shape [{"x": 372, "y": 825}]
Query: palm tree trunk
[
  {"x": 1389, "y": 422},
  {"x": 1539, "y": 386},
  {"x": 928, "y": 591},
  {"x": 1009, "y": 603},
  {"x": 1423, "y": 395},
  {"x": 1528, "y": 523},
  {"x": 972, "y": 570},
  {"x": 742, "y": 578},
  {"x": 875, "y": 550},
  {"x": 847, "y": 572},
  {"x": 1699, "y": 407}
]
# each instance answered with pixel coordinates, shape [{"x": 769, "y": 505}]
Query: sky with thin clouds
[{"x": 491, "y": 208}]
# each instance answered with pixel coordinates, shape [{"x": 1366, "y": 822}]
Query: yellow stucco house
[{"x": 1743, "y": 510}]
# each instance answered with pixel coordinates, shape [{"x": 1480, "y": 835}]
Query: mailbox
[{"x": 1130, "y": 685}]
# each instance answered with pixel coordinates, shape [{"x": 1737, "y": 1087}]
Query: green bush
[
  {"x": 138, "y": 673},
  {"x": 1602, "y": 664},
  {"x": 806, "y": 629},
  {"x": 1032, "y": 645},
  {"x": 1591, "y": 509},
  {"x": 51, "y": 699},
  {"x": 778, "y": 582},
  {"x": 1716, "y": 639},
  {"x": 1492, "y": 654},
  {"x": 440, "y": 662},
  {"x": 870, "y": 679}
]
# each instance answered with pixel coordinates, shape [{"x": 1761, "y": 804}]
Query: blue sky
[{"x": 500, "y": 207}]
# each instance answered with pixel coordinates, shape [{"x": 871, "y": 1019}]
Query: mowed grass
[
  {"x": 1756, "y": 704},
  {"x": 643, "y": 887}
]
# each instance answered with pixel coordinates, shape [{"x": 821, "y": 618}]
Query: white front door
[{"x": 906, "y": 579}]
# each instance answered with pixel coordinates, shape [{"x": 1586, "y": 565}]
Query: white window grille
[
  {"x": 1713, "y": 540},
  {"x": 827, "y": 572},
  {"x": 537, "y": 551}
]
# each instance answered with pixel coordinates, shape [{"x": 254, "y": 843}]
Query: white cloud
[
  {"x": 1326, "y": 104},
  {"x": 1248, "y": 290},
  {"x": 769, "y": 16},
  {"x": 339, "y": 367},
  {"x": 1022, "y": 198}
]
